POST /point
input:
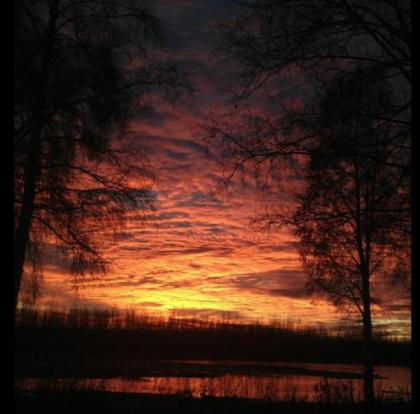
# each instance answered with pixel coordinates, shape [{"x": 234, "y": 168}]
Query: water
[{"x": 319, "y": 383}]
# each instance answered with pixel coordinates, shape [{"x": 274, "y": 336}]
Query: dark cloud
[
  {"x": 192, "y": 145},
  {"x": 123, "y": 235},
  {"x": 200, "y": 199},
  {"x": 178, "y": 224},
  {"x": 281, "y": 282},
  {"x": 173, "y": 214},
  {"x": 216, "y": 229},
  {"x": 182, "y": 156},
  {"x": 135, "y": 248},
  {"x": 288, "y": 292}
]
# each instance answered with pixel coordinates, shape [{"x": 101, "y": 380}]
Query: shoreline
[{"x": 106, "y": 402}]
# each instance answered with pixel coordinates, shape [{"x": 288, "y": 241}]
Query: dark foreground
[
  {"x": 121, "y": 403},
  {"x": 33, "y": 344}
]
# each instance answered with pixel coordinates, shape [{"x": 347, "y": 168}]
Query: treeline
[
  {"x": 54, "y": 337},
  {"x": 113, "y": 318}
]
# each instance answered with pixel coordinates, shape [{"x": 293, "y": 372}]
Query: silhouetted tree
[
  {"x": 328, "y": 87},
  {"x": 353, "y": 219},
  {"x": 83, "y": 70}
]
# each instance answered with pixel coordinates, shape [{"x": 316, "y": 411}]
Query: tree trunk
[
  {"x": 26, "y": 209},
  {"x": 368, "y": 386},
  {"x": 32, "y": 168},
  {"x": 364, "y": 257}
]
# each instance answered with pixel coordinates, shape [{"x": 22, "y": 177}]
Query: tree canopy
[
  {"x": 83, "y": 69},
  {"x": 285, "y": 53}
]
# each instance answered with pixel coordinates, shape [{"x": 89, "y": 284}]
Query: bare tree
[
  {"x": 83, "y": 70},
  {"x": 348, "y": 63},
  {"x": 353, "y": 217}
]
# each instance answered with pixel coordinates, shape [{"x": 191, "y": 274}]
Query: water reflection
[{"x": 394, "y": 382}]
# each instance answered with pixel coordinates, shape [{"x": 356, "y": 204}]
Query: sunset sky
[{"x": 197, "y": 254}]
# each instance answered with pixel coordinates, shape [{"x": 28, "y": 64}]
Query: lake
[{"x": 257, "y": 380}]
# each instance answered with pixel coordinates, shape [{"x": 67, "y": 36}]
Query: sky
[{"x": 197, "y": 254}]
